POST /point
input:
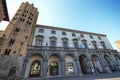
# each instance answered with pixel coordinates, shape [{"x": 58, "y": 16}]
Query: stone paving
[{"x": 102, "y": 76}]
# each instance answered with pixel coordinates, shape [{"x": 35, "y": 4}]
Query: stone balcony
[{"x": 48, "y": 48}]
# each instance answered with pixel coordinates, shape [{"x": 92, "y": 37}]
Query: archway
[
  {"x": 53, "y": 65},
  {"x": 117, "y": 61},
  {"x": 83, "y": 62},
  {"x": 96, "y": 64},
  {"x": 12, "y": 72},
  {"x": 35, "y": 69},
  {"x": 109, "y": 62},
  {"x": 34, "y": 66},
  {"x": 53, "y": 68},
  {"x": 69, "y": 65}
]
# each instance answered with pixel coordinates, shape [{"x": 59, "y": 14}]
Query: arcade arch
[
  {"x": 69, "y": 64},
  {"x": 109, "y": 62},
  {"x": 53, "y": 65},
  {"x": 34, "y": 66},
  {"x": 96, "y": 64},
  {"x": 83, "y": 62}
]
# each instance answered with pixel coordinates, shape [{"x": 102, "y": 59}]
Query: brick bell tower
[{"x": 20, "y": 30}]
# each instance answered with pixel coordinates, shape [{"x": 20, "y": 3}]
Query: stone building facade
[
  {"x": 30, "y": 52},
  {"x": 117, "y": 43},
  {"x": 14, "y": 40},
  {"x": 63, "y": 52}
]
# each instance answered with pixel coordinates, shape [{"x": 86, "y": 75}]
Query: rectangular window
[
  {"x": 41, "y": 31},
  {"x": 63, "y": 33},
  {"x": 104, "y": 46},
  {"x": 95, "y": 46},
  {"x": 73, "y": 34},
  {"x": 85, "y": 45},
  {"x": 82, "y": 36},
  {"x": 76, "y": 45},
  {"x": 53, "y": 32},
  {"x": 65, "y": 44},
  {"x": 91, "y": 36},
  {"x": 39, "y": 43},
  {"x": 99, "y": 38},
  {"x": 53, "y": 43}
]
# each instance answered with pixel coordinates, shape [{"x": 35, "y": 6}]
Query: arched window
[
  {"x": 109, "y": 62},
  {"x": 117, "y": 57},
  {"x": 39, "y": 40},
  {"x": 103, "y": 44},
  {"x": 12, "y": 71},
  {"x": 75, "y": 43},
  {"x": 35, "y": 69},
  {"x": 53, "y": 41},
  {"x": 84, "y": 42},
  {"x": 94, "y": 44},
  {"x": 65, "y": 42}
]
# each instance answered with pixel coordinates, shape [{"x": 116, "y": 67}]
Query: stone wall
[{"x": 8, "y": 62}]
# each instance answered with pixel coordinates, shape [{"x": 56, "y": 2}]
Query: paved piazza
[{"x": 102, "y": 76}]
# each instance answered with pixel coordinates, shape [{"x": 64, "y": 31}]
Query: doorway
[{"x": 53, "y": 68}]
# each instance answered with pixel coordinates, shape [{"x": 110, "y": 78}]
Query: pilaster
[
  {"x": 45, "y": 68},
  {"x": 78, "y": 68}
]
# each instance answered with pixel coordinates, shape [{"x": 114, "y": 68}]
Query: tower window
[
  {"x": 21, "y": 19},
  {"x": 17, "y": 29},
  {"x": 11, "y": 42},
  {"x": 7, "y": 51},
  {"x": 27, "y": 21}
]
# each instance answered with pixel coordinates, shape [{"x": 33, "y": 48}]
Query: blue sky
[{"x": 99, "y": 16}]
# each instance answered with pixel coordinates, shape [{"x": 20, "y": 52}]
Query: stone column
[
  {"x": 78, "y": 67},
  {"x": 26, "y": 69},
  {"x": 59, "y": 68},
  {"x": 63, "y": 73},
  {"x": 114, "y": 61},
  {"x": 102, "y": 61},
  {"x": 75, "y": 68},
  {"x": 45, "y": 68},
  {"x": 91, "y": 67}
]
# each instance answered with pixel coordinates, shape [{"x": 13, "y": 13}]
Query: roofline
[{"x": 69, "y": 30}]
